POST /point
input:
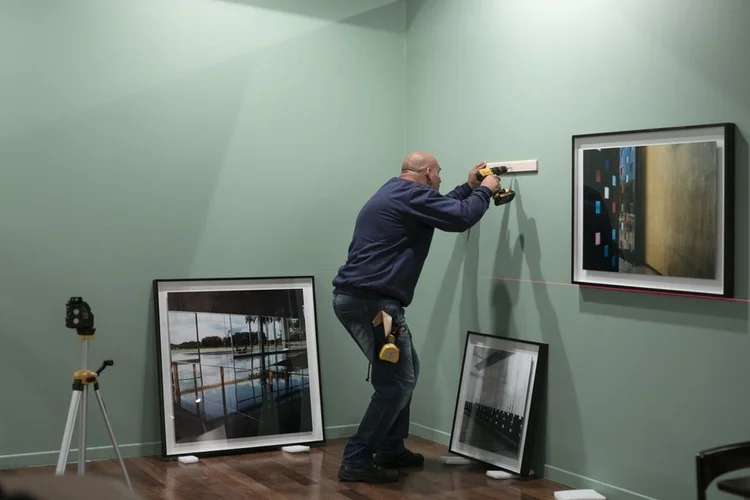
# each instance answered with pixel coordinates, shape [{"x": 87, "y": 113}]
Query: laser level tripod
[{"x": 79, "y": 316}]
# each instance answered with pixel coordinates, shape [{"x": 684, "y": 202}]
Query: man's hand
[
  {"x": 492, "y": 182},
  {"x": 473, "y": 181}
]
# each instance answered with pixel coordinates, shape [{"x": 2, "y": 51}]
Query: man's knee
[
  {"x": 395, "y": 381},
  {"x": 397, "y": 393},
  {"x": 407, "y": 387},
  {"x": 405, "y": 391}
]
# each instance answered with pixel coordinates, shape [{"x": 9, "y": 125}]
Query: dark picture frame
[
  {"x": 496, "y": 415},
  {"x": 239, "y": 365},
  {"x": 653, "y": 210}
]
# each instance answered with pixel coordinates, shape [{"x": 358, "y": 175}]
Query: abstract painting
[
  {"x": 654, "y": 210},
  {"x": 497, "y": 401},
  {"x": 238, "y": 364}
]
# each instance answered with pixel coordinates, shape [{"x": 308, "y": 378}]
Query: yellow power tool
[
  {"x": 390, "y": 351},
  {"x": 503, "y": 196}
]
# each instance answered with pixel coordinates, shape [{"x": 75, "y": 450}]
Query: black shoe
[
  {"x": 407, "y": 458},
  {"x": 367, "y": 474}
]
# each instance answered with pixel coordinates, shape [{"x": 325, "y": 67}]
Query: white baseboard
[
  {"x": 430, "y": 434},
  {"x": 419, "y": 430},
  {"x": 551, "y": 473},
  {"x": 570, "y": 479},
  {"x": 340, "y": 431},
  {"x": 45, "y": 458},
  {"x": 578, "y": 481}
]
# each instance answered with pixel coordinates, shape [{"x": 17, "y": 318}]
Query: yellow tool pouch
[{"x": 390, "y": 351}]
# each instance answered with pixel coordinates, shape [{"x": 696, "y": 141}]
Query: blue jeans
[{"x": 385, "y": 423}]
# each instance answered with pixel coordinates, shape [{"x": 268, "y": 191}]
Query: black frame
[
  {"x": 159, "y": 354},
  {"x": 533, "y": 420},
  {"x": 727, "y": 203}
]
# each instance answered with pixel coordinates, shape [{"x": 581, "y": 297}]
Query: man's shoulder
[
  {"x": 392, "y": 199},
  {"x": 395, "y": 188},
  {"x": 399, "y": 184}
]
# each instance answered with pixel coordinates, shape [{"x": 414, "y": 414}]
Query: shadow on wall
[
  {"x": 508, "y": 263},
  {"x": 412, "y": 11},
  {"x": 374, "y": 14},
  {"x": 711, "y": 314},
  {"x": 469, "y": 308},
  {"x": 152, "y": 416},
  {"x": 439, "y": 320}
]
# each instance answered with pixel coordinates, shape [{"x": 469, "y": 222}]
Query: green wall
[
  {"x": 190, "y": 139},
  {"x": 637, "y": 383},
  {"x": 180, "y": 138}
]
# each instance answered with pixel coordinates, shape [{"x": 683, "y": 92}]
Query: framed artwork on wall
[
  {"x": 653, "y": 210},
  {"x": 498, "y": 400},
  {"x": 238, "y": 364}
]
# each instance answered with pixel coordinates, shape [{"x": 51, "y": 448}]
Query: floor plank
[{"x": 276, "y": 476}]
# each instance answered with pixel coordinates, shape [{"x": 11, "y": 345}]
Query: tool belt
[{"x": 389, "y": 352}]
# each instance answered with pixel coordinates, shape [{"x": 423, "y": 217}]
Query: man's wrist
[{"x": 486, "y": 190}]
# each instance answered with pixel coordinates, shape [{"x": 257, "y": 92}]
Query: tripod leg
[
  {"x": 68, "y": 434},
  {"x": 82, "y": 431},
  {"x": 112, "y": 435}
]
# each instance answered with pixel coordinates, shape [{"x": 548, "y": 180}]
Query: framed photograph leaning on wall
[
  {"x": 238, "y": 364},
  {"x": 653, "y": 210},
  {"x": 498, "y": 399}
]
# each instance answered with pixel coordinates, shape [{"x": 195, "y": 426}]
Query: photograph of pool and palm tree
[
  {"x": 651, "y": 210},
  {"x": 239, "y": 367}
]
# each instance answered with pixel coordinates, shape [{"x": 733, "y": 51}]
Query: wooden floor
[{"x": 278, "y": 475}]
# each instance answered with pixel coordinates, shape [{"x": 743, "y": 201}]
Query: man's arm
[
  {"x": 460, "y": 192},
  {"x": 447, "y": 213}
]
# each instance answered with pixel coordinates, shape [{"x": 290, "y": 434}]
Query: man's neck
[{"x": 408, "y": 176}]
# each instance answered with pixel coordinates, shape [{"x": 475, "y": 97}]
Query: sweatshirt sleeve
[
  {"x": 446, "y": 213},
  {"x": 460, "y": 192}
]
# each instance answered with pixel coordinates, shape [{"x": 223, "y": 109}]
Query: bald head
[
  {"x": 418, "y": 162},
  {"x": 422, "y": 168}
]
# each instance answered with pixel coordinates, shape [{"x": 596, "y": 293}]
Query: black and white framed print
[
  {"x": 653, "y": 210},
  {"x": 238, "y": 364},
  {"x": 498, "y": 401}
]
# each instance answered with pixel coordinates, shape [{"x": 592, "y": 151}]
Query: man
[{"x": 392, "y": 238}]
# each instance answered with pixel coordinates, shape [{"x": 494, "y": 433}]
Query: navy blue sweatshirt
[{"x": 393, "y": 233}]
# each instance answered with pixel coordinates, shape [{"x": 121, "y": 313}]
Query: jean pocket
[
  {"x": 348, "y": 306},
  {"x": 396, "y": 312}
]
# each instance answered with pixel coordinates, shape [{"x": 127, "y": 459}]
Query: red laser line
[{"x": 603, "y": 287}]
